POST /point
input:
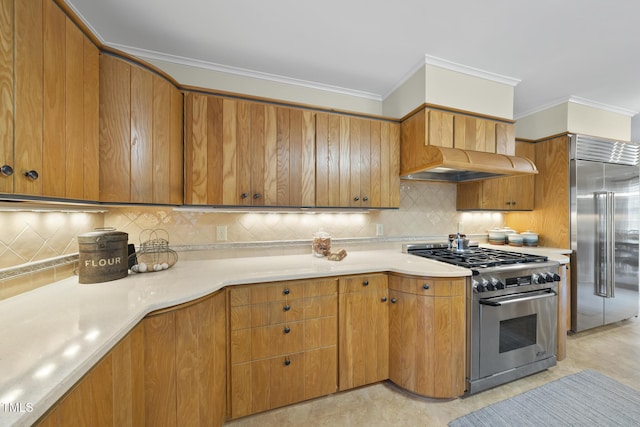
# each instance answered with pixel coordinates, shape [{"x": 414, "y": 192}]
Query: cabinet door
[
  {"x": 140, "y": 135},
  {"x": 440, "y": 128},
  {"x": 358, "y": 162},
  {"x": 363, "y": 331},
  {"x": 6, "y": 93}
]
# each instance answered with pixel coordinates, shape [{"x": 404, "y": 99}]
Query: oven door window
[
  {"x": 518, "y": 333},
  {"x": 516, "y": 330}
]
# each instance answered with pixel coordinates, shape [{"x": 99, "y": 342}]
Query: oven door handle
[{"x": 499, "y": 301}]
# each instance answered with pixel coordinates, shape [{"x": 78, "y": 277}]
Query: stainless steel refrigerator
[{"x": 604, "y": 231}]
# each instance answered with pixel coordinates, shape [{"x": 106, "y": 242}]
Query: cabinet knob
[
  {"x": 6, "y": 170},
  {"x": 287, "y": 307},
  {"x": 244, "y": 195},
  {"x": 286, "y": 291},
  {"x": 33, "y": 175},
  {"x": 365, "y": 199},
  {"x": 256, "y": 196},
  {"x": 383, "y": 299},
  {"x": 355, "y": 199},
  {"x": 287, "y": 329},
  {"x": 287, "y": 362},
  {"x": 365, "y": 283},
  {"x": 513, "y": 203},
  {"x": 508, "y": 203},
  {"x": 393, "y": 300},
  {"x": 425, "y": 287}
]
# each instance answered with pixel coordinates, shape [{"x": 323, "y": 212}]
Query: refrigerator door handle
[{"x": 604, "y": 279}]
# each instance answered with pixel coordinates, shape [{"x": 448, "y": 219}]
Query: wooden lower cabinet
[
  {"x": 169, "y": 370},
  {"x": 283, "y": 344},
  {"x": 364, "y": 330},
  {"x": 427, "y": 341}
]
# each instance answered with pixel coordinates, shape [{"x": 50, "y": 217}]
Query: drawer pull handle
[
  {"x": 287, "y": 330},
  {"x": 286, "y": 291},
  {"x": 383, "y": 299},
  {"x": 287, "y": 307},
  {"x": 287, "y": 362},
  {"x": 393, "y": 300},
  {"x": 365, "y": 283},
  {"x": 425, "y": 287}
]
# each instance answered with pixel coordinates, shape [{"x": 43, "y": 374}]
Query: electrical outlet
[
  {"x": 379, "y": 230},
  {"x": 221, "y": 233}
]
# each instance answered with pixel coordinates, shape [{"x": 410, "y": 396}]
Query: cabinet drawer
[
  {"x": 272, "y": 313},
  {"x": 270, "y": 383},
  {"x": 266, "y": 341},
  {"x": 438, "y": 287},
  {"x": 362, "y": 283},
  {"x": 281, "y": 291}
]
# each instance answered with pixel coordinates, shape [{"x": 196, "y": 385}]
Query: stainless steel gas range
[{"x": 512, "y": 306}]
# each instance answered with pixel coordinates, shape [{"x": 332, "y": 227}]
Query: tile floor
[{"x": 612, "y": 350}]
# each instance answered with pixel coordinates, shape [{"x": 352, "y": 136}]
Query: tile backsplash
[{"x": 30, "y": 240}]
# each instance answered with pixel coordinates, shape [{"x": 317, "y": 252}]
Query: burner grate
[{"x": 477, "y": 257}]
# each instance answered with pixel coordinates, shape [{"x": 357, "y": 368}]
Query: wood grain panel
[
  {"x": 91, "y": 114},
  {"x": 415, "y": 135},
  {"x": 6, "y": 91},
  {"x": 489, "y": 136},
  {"x": 176, "y": 149},
  {"x": 287, "y": 380},
  {"x": 243, "y": 154},
  {"x": 365, "y": 162},
  {"x": 55, "y": 169},
  {"x": 440, "y": 128},
  {"x": 356, "y": 138},
  {"x": 196, "y": 154},
  {"x": 115, "y": 129},
  {"x": 230, "y": 194},
  {"x": 257, "y": 156},
  {"x": 308, "y": 165},
  {"x": 102, "y": 392},
  {"x": 215, "y": 152},
  {"x": 505, "y": 138},
  {"x": 141, "y": 135},
  {"x": 550, "y": 219},
  {"x": 29, "y": 85},
  {"x": 322, "y": 160},
  {"x": 376, "y": 176},
  {"x": 295, "y": 171},
  {"x": 161, "y": 140},
  {"x": 160, "y": 370},
  {"x": 128, "y": 379},
  {"x": 283, "y": 162},
  {"x": 75, "y": 409},
  {"x": 320, "y": 372},
  {"x": 270, "y": 160},
  {"x": 241, "y": 390},
  {"x": 74, "y": 112},
  {"x": 346, "y": 171}
]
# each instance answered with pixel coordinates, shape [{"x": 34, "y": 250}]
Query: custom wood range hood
[
  {"x": 453, "y": 146},
  {"x": 458, "y": 165}
]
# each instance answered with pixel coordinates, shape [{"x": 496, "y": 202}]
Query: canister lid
[{"x": 103, "y": 233}]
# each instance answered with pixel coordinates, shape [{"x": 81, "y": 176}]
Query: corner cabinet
[
  {"x": 48, "y": 103},
  {"x": 363, "y": 330},
  {"x": 245, "y": 153},
  {"x": 140, "y": 135},
  {"x": 427, "y": 340},
  {"x": 358, "y": 162},
  {"x": 169, "y": 370},
  {"x": 514, "y": 193},
  {"x": 283, "y": 344}
]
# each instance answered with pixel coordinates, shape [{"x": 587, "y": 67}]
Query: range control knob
[
  {"x": 556, "y": 277},
  {"x": 491, "y": 285},
  {"x": 497, "y": 283},
  {"x": 538, "y": 278},
  {"x": 477, "y": 287}
]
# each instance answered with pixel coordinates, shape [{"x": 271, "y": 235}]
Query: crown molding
[
  {"x": 580, "y": 101},
  {"x": 475, "y": 72},
  {"x": 180, "y": 60}
]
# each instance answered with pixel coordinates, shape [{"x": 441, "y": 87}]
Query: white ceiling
[{"x": 557, "y": 49}]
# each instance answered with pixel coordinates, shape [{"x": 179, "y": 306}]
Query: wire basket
[{"x": 154, "y": 253}]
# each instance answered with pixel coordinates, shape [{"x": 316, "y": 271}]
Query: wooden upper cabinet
[
  {"x": 6, "y": 94},
  {"x": 357, "y": 163},
  {"x": 48, "y": 102},
  {"x": 244, "y": 153},
  {"x": 140, "y": 135}
]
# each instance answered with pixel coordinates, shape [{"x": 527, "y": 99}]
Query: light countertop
[{"x": 53, "y": 335}]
